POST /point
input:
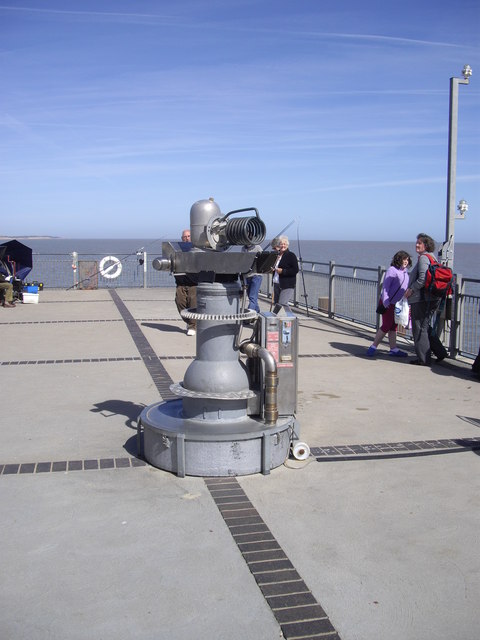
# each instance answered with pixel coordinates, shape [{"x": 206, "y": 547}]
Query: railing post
[
  {"x": 457, "y": 315},
  {"x": 75, "y": 268},
  {"x": 144, "y": 269},
  {"x": 331, "y": 289}
]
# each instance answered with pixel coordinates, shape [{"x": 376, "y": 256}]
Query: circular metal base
[{"x": 211, "y": 448}]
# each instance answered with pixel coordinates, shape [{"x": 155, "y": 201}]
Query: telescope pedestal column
[{"x": 207, "y": 431}]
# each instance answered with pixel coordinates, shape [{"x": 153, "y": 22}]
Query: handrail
[
  {"x": 340, "y": 300},
  {"x": 341, "y": 291}
]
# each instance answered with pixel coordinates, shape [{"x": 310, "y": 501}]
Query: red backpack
[{"x": 438, "y": 278}]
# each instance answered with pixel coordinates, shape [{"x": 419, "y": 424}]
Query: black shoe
[{"x": 419, "y": 362}]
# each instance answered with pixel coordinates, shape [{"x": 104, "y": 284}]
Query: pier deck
[{"x": 376, "y": 536}]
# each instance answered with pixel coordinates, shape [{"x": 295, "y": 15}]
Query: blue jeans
[{"x": 253, "y": 287}]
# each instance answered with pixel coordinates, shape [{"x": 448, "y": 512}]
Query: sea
[{"x": 368, "y": 254}]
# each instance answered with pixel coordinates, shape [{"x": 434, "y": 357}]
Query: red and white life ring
[{"x": 112, "y": 270}]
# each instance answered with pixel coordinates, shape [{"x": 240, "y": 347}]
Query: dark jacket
[
  {"x": 289, "y": 265},
  {"x": 186, "y": 280}
]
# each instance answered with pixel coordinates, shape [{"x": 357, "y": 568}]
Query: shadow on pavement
[
  {"x": 163, "y": 327},
  {"x": 110, "y": 408}
]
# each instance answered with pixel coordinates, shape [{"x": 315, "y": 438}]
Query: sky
[{"x": 117, "y": 115}]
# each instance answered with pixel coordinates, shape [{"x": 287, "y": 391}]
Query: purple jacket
[{"x": 394, "y": 286}]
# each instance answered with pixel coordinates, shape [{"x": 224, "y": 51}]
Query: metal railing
[
  {"x": 466, "y": 317},
  {"x": 62, "y": 271},
  {"x": 346, "y": 292},
  {"x": 351, "y": 292}
]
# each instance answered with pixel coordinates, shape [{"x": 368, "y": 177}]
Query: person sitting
[{"x": 7, "y": 288}]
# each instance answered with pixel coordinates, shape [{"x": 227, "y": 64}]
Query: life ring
[{"x": 113, "y": 270}]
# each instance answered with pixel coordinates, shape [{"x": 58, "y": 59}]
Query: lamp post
[{"x": 448, "y": 246}]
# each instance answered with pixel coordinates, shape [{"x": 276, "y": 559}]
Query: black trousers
[{"x": 422, "y": 314}]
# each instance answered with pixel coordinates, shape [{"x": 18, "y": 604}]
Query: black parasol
[{"x": 17, "y": 257}]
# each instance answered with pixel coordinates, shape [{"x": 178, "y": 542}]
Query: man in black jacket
[{"x": 284, "y": 275}]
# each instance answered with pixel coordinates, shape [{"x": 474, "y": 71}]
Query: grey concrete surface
[{"x": 388, "y": 547}]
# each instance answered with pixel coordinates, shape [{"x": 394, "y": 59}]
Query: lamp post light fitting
[{"x": 462, "y": 209}]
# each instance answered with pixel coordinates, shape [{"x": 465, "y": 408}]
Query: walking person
[
  {"x": 423, "y": 305},
  {"x": 394, "y": 287},
  {"x": 284, "y": 275},
  {"x": 186, "y": 291}
]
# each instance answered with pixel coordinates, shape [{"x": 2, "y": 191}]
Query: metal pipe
[{"x": 253, "y": 350}]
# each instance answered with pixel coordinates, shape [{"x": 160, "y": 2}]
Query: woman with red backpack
[{"x": 423, "y": 303}]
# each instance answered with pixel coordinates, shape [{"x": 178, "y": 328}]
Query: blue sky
[{"x": 117, "y": 115}]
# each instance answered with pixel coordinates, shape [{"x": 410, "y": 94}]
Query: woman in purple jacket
[{"x": 394, "y": 287}]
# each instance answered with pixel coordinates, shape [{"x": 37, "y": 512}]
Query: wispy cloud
[
  {"x": 171, "y": 19},
  {"x": 111, "y": 15}
]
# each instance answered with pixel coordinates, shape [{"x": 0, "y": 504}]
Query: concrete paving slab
[
  {"x": 72, "y": 411},
  {"x": 122, "y": 554}
]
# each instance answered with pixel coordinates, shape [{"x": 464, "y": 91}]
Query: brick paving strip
[
  {"x": 70, "y": 465},
  {"x": 291, "y": 601},
  {"x": 385, "y": 450},
  {"x": 322, "y": 454}
]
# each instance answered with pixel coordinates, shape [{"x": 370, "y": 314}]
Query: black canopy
[{"x": 17, "y": 257}]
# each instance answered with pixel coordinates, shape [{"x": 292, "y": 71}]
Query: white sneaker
[{"x": 191, "y": 332}]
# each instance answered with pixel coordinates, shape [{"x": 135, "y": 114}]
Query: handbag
[{"x": 380, "y": 309}]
